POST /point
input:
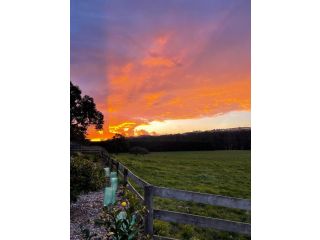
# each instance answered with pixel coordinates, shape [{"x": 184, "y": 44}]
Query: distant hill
[{"x": 217, "y": 139}]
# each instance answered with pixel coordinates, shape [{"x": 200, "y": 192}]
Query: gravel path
[{"x": 83, "y": 213}]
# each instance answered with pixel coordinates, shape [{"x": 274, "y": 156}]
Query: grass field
[{"x": 217, "y": 172}]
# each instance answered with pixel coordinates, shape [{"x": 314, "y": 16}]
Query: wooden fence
[{"x": 151, "y": 191}]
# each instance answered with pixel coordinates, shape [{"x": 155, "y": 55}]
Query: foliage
[
  {"x": 138, "y": 150},
  {"x": 217, "y": 172},
  {"x": 85, "y": 175},
  {"x": 124, "y": 221},
  {"x": 227, "y": 139},
  {"x": 118, "y": 143},
  {"x": 83, "y": 113},
  {"x": 161, "y": 228}
]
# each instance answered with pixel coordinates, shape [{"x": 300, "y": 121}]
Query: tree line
[{"x": 228, "y": 139}]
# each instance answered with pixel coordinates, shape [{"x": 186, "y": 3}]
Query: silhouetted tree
[
  {"x": 119, "y": 143},
  {"x": 228, "y": 139},
  {"x": 83, "y": 113},
  {"x": 224, "y": 139}
]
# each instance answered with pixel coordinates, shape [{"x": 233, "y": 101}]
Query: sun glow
[{"x": 96, "y": 140}]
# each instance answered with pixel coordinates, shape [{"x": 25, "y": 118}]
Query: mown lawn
[{"x": 217, "y": 172}]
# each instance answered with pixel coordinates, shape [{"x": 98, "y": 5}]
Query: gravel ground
[{"x": 83, "y": 213}]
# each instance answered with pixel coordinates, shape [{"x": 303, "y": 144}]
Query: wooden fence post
[
  {"x": 125, "y": 177},
  {"x": 111, "y": 164},
  {"x": 117, "y": 166},
  {"x": 148, "y": 201},
  {"x": 104, "y": 159}
]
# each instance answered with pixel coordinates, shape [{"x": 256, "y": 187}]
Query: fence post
[
  {"x": 125, "y": 176},
  {"x": 148, "y": 201},
  {"x": 104, "y": 158},
  {"x": 111, "y": 164},
  {"x": 117, "y": 165}
]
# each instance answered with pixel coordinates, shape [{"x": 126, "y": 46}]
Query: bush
[
  {"x": 85, "y": 176},
  {"x": 124, "y": 220},
  {"x": 138, "y": 150}
]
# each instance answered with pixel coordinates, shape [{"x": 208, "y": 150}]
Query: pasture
[{"x": 217, "y": 172}]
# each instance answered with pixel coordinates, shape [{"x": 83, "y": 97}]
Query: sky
[{"x": 163, "y": 66}]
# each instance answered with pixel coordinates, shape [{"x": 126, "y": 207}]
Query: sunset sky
[{"x": 163, "y": 66}]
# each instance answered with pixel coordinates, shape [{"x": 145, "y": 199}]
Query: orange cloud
[
  {"x": 158, "y": 61},
  {"x": 125, "y": 128},
  {"x": 162, "y": 76},
  {"x": 141, "y": 132},
  {"x": 161, "y": 62}
]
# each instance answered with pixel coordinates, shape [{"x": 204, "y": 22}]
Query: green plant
[
  {"x": 186, "y": 232},
  {"x": 85, "y": 175},
  {"x": 161, "y": 228},
  {"x": 124, "y": 221}
]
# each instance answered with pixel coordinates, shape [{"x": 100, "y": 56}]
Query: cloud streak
[{"x": 146, "y": 61}]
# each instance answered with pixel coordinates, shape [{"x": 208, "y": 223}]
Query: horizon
[
  {"x": 164, "y": 67},
  {"x": 182, "y": 133}
]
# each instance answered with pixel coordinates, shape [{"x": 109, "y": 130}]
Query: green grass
[{"x": 217, "y": 172}]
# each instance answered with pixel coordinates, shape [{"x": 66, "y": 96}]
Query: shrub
[
  {"x": 85, "y": 176},
  {"x": 124, "y": 220},
  {"x": 138, "y": 150}
]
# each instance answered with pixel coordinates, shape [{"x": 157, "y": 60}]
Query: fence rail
[
  {"x": 150, "y": 191},
  {"x": 200, "y": 221},
  {"x": 132, "y": 189},
  {"x": 140, "y": 182},
  {"x": 210, "y": 199}
]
